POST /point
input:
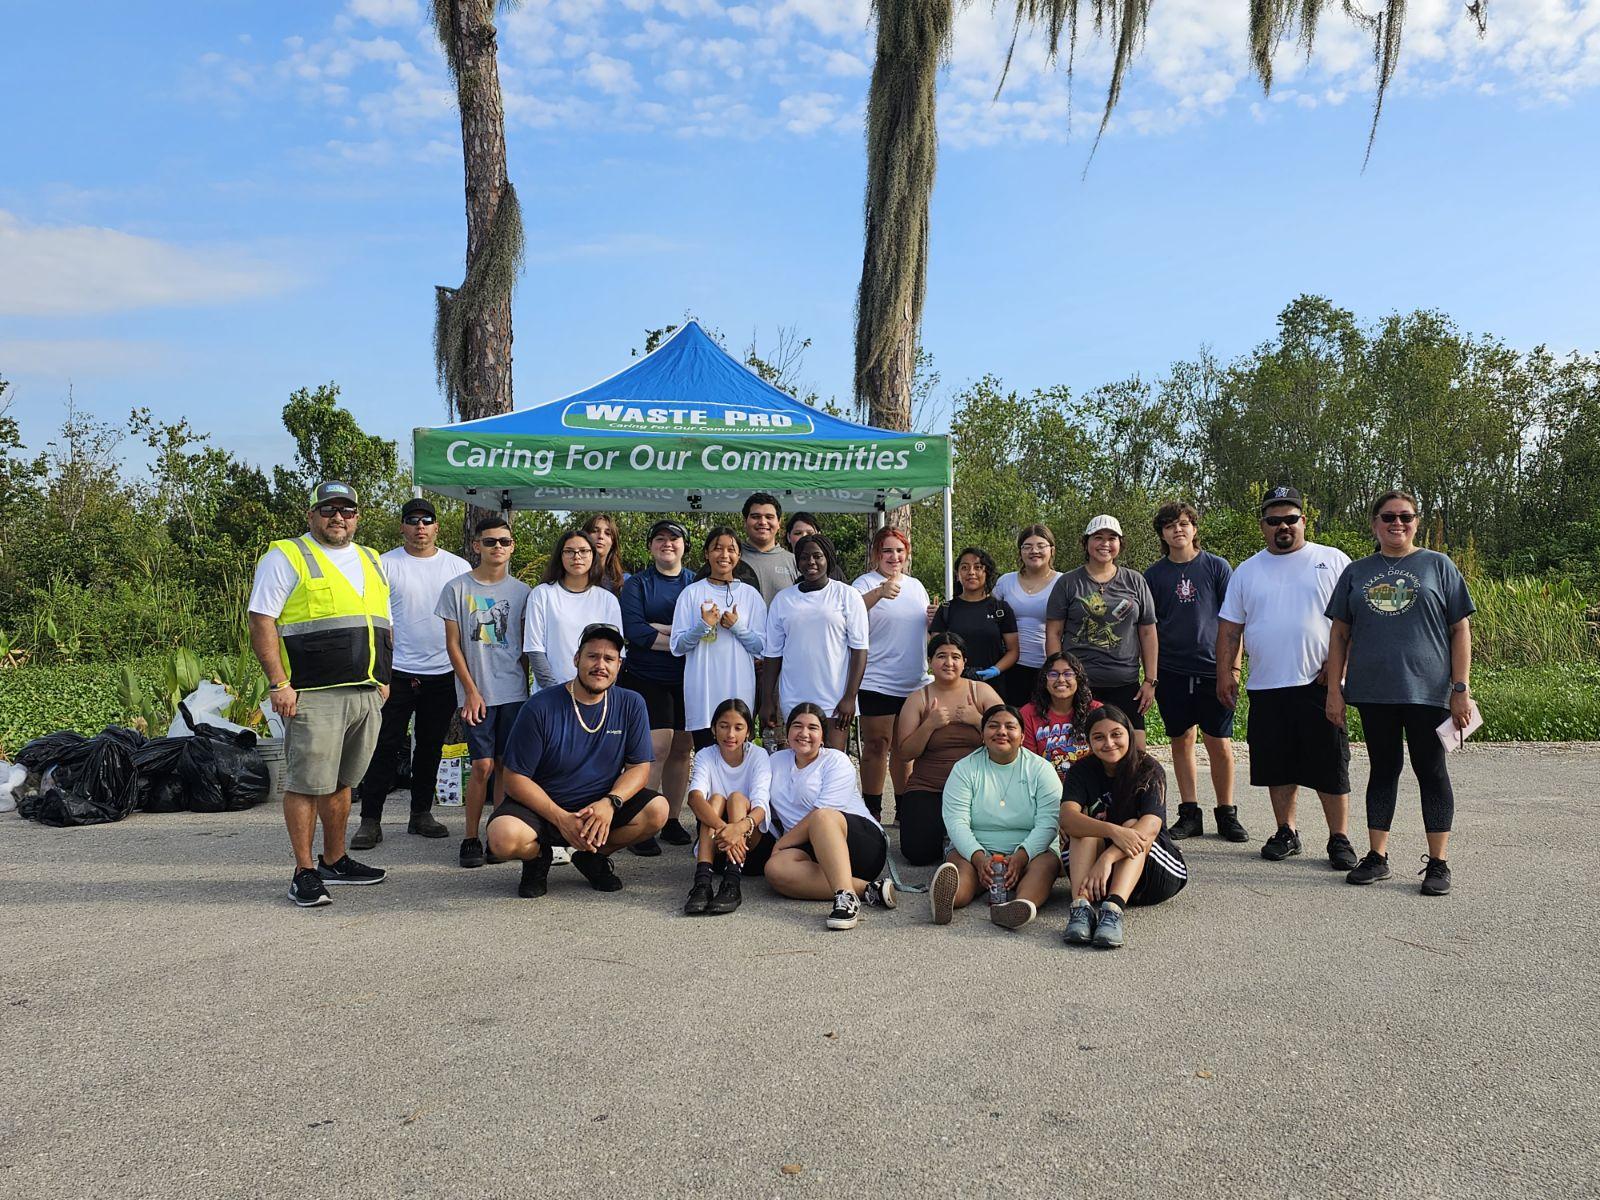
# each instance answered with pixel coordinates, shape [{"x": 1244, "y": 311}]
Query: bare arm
[
  {"x": 1009, "y": 658},
  {"x": 1461, "y": 670},
  {"x": 472, "y": 707},
  {"x": 1333, "y": 670},
  {"x": 1230, "y": 641},
  {"x": 264, "y": 641},
  {"x": 1052, "y": 635},
  {"x": 915, "y": 725}
]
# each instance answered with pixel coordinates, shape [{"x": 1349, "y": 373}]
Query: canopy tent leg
[{"x": 949, "y": 551}]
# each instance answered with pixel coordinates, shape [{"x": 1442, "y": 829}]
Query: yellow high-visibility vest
[{"x": 330, "y": 635}]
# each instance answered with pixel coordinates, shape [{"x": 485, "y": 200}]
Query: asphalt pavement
[{"x": 172, "y": 1026}]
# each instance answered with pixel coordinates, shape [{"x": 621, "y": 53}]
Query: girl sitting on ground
[
  {"x": 1114, "y": 812},
  {"x": 828, "y": 844},
  {"x": 728, "y": 785},
  {"x": 1003, "y": 800}
]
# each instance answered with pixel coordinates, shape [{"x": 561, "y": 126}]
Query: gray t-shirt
[
  {"x": 1400, "y": 611},
  {"x": 489, "y": 617},
  {"x": 1100, "y": 622},
  {"x": 774, "y": 568}
]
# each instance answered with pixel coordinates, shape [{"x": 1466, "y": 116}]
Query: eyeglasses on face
[
  {"x": 577, "y": 552},
  {"x": 420, "y": 519},
  {"x": 1404, "y": 518},
  {"x": 1063, "y": 673},
  {"x": 336, "y": 510},
  {"x": 1286, "y": 519},
  {"x": 490, "y": 543}
]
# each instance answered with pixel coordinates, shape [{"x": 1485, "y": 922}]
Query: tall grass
[{"x": 1527, "y": 621}]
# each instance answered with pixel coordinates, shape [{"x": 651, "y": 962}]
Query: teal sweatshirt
[{"x": 998, "y": 808}]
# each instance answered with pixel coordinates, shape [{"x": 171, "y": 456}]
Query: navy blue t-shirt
[
  {"x": 649, "y": 596},
  {"x": 1188, "y": 596},
  {"x": 576, "y": 768}
]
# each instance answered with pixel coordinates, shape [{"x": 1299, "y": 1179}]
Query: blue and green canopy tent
[{"x": 687, "y": 428}]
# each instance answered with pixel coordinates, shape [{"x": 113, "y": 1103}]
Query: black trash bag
[
  {"x": 160, "y": 784},
  {"x": 95, "y": 783},
  {"x": 43, "y": 753},
  {"x": 221, "y": 771}
]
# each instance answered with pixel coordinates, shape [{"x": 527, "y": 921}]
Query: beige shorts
[{"x": 330, "y": 738}]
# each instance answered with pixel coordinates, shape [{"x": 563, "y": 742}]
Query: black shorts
[
  {"x": 1124, "y": 696},
  {"x": 549, "y": 835},
  {"x": 867, "y": 843},
  {"x": 1163, "y": 877},
  {"x": 1189, "y": 700},
  {"x": 878, "y": 704},
  {"x": 663, "y": 701},
  {"x": 1016, "y": 684},
  {"x": 703, "y": 738},
  {"x": 1292, "y": 742},
  {"x": 755, "y": 857}
]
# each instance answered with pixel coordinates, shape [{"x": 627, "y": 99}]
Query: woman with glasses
[
  {"x": 719, "y": 628},
  {"x": 1026, "y": 592},
  {"x": 1055, "y": 723},
  {"x": 937, "y": 728},
  {"x": 986, "y": 626},
  {"x": 1402, "y": 643},
  {"x": 602, "y": 531},
  {"x": 567, "y": 600}
]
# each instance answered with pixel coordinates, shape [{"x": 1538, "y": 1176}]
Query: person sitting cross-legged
[
  {"x": 575, "y": 769},
  {"x": 728, "y": 787}
]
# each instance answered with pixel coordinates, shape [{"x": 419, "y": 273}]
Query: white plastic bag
[
  {"x": 11, "y": 779},
  {"x": 205, "y": 704},
  {"x": 273, "y": 721}
]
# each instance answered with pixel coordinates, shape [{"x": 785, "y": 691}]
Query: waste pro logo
[{"x": 635, "y": 416}]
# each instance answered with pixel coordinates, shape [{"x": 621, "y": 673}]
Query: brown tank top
[{"x": 946, "y": 747}]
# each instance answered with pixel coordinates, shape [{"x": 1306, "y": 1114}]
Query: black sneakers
[
  {"x": 306, "y": 889},
  {"x": 535, "y": 876},
  {"x": 1341, "y": 854},
  {"x": 347, "y": 871},
  {"x": 880, "y": 894},
  {"x": 699, "y": 899},
  {"x": 727, "y": 898},
  {"x": 424, "y": 824},
  {"x": 648, "y": 848},
  {"x": 1282, "y": 844},
  {"x": 1435, "y": 877},
  {"x": 471, "y": 852},
  {"x": 1188, "y": 824},
  {"x": 1228, "y": 826},
  {"x": 674, "y": 834},
  {"x": 597, "y": 869},
  {"x": 846, "y": 912},
  {"x": 1373, "y": 867}
]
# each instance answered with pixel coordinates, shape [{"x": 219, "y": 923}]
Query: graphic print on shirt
[
  {"x": 488, "y": 619},
  {"x": 1060, "y": 745},
  {"x": 1186, "y": 591},
  {"x": 1099, "y": 623},
  {"x": 1391, "y": 593}
]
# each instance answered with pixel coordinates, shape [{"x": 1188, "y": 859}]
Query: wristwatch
[
  {"x": 616, "y": 801},
  {"x": 1459, "y": 688}
]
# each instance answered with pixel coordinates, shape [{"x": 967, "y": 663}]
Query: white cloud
[
  {"x": 613, "y": 76},
  {"x": 386, "y": 12},
  {"x": 80, "y": 358},
  {"x": 59, "y": 271}
]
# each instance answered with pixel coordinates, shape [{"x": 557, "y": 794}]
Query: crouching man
[{"x": 575, "y": 770}]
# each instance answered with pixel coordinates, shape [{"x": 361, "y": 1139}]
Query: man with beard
[
  {"x": 1275, "y": 603},
  {"x": 320, "y": 627},
  {"x": 575, "y": 769}
]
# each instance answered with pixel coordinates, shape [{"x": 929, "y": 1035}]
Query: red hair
[{"x": 884, "y": 534}]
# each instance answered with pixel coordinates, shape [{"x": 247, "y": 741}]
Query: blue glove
[{"x": 987, "y": 674}]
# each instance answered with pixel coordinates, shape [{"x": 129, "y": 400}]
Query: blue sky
[{"x": 201, "y": 214}]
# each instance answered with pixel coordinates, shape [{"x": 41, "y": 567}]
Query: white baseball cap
[{"x": 1101, "y": 523}]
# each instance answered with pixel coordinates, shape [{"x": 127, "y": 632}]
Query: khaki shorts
[{"x": 330, "y": 738}]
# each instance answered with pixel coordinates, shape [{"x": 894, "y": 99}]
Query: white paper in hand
[{"x": 1453, "y": 738}]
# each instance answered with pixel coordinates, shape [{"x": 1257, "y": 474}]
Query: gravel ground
[{"x": 174, "y": 1027}]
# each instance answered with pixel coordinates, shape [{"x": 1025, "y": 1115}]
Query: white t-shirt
[
  {"x": 897, "y": 631},
  {"x": 414, "y": 587},
  {"x": 556, "y": 618},
  {"x": 276, "y": 577},
  {"x": 1029, "y": 610},
  {"x": 826, "y": 625},
  {"x": 829, "y": 782},
  {"x": 1280, "y": 600},
  {"x": 710, "y": 775},
  {"x": 725, "y": 666}
]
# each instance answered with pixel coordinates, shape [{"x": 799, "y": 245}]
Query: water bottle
[{"x": 997, "y": 879}]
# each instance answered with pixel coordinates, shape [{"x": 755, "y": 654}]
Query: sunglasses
[
  {"x": 336, "y": 510},
  {"x": 1287, "y": 519},
  {"x": 492, "y": 542},
  {"x": 1052, "y": 676},
  {"x": 1389, "y": 518},
  {"x": 420, "y": 519}
]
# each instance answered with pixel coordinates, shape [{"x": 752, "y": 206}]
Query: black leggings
[
  {"x": 1385, "y": 725},
  {"x": 921, "y": 817}
]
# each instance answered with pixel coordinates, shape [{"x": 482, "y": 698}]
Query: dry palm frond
[{"x": 444, "y": 25}]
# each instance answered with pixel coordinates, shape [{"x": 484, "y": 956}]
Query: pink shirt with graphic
[{"x": 1053, "y": 737}]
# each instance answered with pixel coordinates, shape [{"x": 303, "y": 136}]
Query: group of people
[{"x": 1009, "y": 719}]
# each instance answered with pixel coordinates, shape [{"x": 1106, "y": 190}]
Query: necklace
[
  {"x": 1022, "y": 582},
  {"x": 1010, "y": 778},
  {"x": 605, "y": 708}
]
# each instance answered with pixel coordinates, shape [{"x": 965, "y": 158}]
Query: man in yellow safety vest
[{"x": 320, "y": 626}]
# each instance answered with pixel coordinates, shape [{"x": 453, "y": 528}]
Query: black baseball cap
[
  {"x": 1282, "y": 494},
  {"x": 418, "y": 505},
  {"x": 332, "y": 489},
  {"x": 667, "y": 526},
  {"x": 601, "y": 630}
]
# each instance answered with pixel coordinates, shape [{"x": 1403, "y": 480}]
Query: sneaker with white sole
[
  {"x": 347, "y": 872},
  {"x": 306, "y": 889},
  {"x": 1108, "y": 928},
  {"x": 1080, "y": 924},
  {"x": 942, "y": 892},
  {"x": 1013, "y": 914},
  {"x": 880, "y": 894},
  {"x": 846, "y": 912}
]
